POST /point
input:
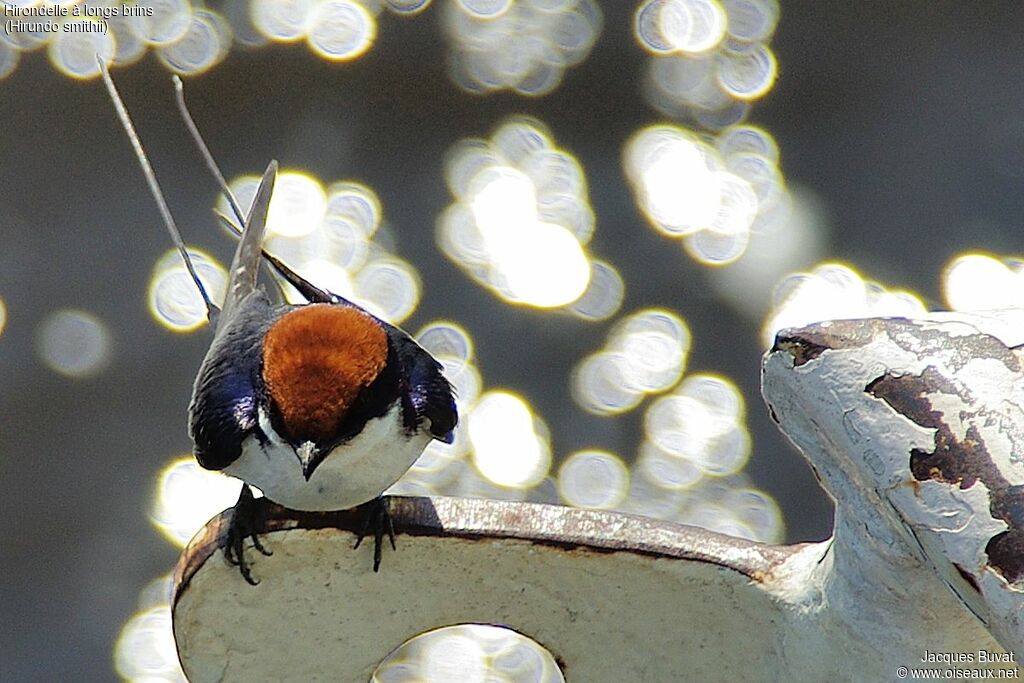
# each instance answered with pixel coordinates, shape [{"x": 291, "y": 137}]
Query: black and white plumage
[{"x": 322, "y": 406}]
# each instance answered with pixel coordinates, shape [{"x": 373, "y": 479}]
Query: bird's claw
[
  {"x": 242, "y": 526},
  {"x": 376, "y": 513}
]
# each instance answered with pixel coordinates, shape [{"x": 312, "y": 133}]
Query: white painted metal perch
[{"x": 915, "y": 428}]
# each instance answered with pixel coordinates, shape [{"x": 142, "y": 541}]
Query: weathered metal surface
[
  {"x": 917, "y": 429},
  {"x": 613, "y": 597}
]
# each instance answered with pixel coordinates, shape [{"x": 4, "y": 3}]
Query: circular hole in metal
[{"x": 470, "y": 653}]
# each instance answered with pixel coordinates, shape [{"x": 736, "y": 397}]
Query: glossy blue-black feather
[
  {"x": 426, "y": 391},
  {"x": 225, "y": 399}
]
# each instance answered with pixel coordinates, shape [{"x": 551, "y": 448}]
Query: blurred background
[{"x": 595, "y": 213}]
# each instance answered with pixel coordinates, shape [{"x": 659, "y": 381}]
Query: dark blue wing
[
  {"x": 426, "y": 391},
  {"x": 223, "y": 411}
]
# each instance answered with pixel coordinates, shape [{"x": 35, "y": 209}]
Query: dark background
[{"x": 906, "y": 119}]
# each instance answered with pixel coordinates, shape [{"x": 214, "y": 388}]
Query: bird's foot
[
  {"x": 376, "y": 515},
  {"x": 242, "y": 526}
]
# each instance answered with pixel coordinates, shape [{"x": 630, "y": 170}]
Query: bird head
[{"x": 316, "y": 361}]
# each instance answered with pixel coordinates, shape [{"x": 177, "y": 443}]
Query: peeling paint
[
  {"x": 959, "y": 461},
  {"x": 917, "y": 427},
  {"x": 968, "y": 577},
  {"x": 921, "y": 338},
  {"x": 802, "y": 350}
]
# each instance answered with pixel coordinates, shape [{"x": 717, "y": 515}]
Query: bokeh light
[
  {"x": 166, "y": 23},
  {"x": 282, "y": 21},
  {"x": 669, "y": 471},
  {"x": 297, "y": 206},
  {"x": 329, "y": 235},
  {"x": 710, "y": 58},
  {"x": 354, "y": 206},
  {"x": 979, "y": 282},
  {"x": 187, "y": 496},
  {"x": 145, "y": 651},
  {"x": 502, "y": 447},
  {"x": 3, "y": 315},
  {"x": 189, "y": 38},
  {"x": 691, "y": 26},
  {"x": 73, "y": 53},
  {"x": 833, "y": 291},
  {"x": 593, "y": 479},
  {"x": 507, "y": 448},
  {"x": 757, "y": 513},
  {"x": 521, "y": 219},
  {"x": 205, "y": 42},
  {"x": 388, "y": 287},
  {"x": 74, "y": 343},
  {"x": 751, "y": 21},
  {"x": 27, "y": 36},
  {"x": 129, "y": 46},
  {"x": 747, "y": 75},
  {"x": 174, "y": 299},
  {"x": 702, "y": 421},
  {"x": 407, "y": 7},
  {"x": 520, "y": 45},
  {"x": 788, "y": 237},
  {"x": 334, "y": 30},
  {"x": 715, "y": 195},
  {"x": 447, "y": 341},
  {"x": 240, "y": 17},
  {"x": 728, "y": 505},
  {"x": 469, "y": 653},
  {"x": 696, "y": 442},
  {"x": 604, "y": 293},
  {"x": 341, "y": 30},
  {"x": 645, "y": 353}
]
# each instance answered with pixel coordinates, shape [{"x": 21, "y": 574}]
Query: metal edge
[{"x": 572, "y": 529}]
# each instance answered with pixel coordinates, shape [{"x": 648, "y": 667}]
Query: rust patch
[
  {"x": 958, "y": 462},
  {"x": 807, "y": 343},
  {"x": 1006, "y": 550},
  {"x": 803, "y": 351},
  {"x": 968, "y": 577}
]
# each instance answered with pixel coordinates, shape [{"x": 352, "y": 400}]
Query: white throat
[{"x": 353, "y": 473}]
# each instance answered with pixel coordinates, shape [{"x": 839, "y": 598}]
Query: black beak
[{"x": 310, "y": 456}]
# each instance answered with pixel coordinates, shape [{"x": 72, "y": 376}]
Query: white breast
[{"x": 353, "y": 473}]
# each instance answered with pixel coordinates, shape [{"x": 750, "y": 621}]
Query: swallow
[{"x": 321, "y": 405}]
